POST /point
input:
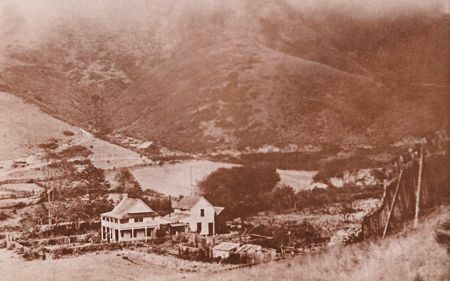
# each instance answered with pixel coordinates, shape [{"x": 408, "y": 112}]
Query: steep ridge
[
  {"x": 240, "y": 95},
  {"x": 228, "y": 78}
]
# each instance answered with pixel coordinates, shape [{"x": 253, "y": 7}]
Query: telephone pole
[{"x": 419, "y": 180}]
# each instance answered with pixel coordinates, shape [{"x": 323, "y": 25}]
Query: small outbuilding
[{"x": 223, "y": 249}]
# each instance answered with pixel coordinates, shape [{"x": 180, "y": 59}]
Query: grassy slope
[
  {"x": 226, "y": 79},
  {"x": 255, "y": 96},
  {"x": 24, "y": 126},
  {"x": 408, "y": 256}
]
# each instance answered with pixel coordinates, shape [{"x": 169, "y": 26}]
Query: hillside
[
  {"x": 24, "y": 127},
  {"x": 221, "y": 79},
  {"x": 27, "y": 131}
]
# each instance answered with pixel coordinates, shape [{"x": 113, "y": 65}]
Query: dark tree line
[
  {"x": 241, "y": 190},
  {"x": 245, "y": 191}
]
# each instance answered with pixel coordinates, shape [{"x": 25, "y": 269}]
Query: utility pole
[
  {"x": 49, "y": 207},
  {"x": 391, "y": 211},
  {"x": 419, "y": 180}
]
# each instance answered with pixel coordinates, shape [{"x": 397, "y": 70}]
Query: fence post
[
  {"x": 392, "y": 205},
  {"x": 419, "y": 180}
]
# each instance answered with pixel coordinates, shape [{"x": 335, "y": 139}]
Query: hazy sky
[
  {"x": 48, "y": 10},
  {"x": 29, "y": 18}
]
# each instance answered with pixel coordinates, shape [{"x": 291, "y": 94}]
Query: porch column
[
  {"x": 132, "y": 233},
  {"x": 101, "y": 232},
  {"x": 145, "y": 234}
]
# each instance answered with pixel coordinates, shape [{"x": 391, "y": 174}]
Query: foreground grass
[{"x": 410, "y": 255}]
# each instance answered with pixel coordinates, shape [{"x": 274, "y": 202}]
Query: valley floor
[{"x": 411, "y": 255}]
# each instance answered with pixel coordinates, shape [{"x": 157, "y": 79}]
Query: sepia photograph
[{"x": 227, "y": 140}]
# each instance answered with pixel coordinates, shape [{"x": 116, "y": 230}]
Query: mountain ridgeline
[{"x": 227, "y": 78}]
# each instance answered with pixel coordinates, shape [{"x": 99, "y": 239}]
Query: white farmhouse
[
  {"x": 197, "y": 212},
  {"x": 130, "y": 220}
]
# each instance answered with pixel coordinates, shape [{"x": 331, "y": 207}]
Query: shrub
[
  {"x": 3, "y": 216},
  {"x": 68, "y": 133},
  {"x": 76, "y": 150},
  {"x": 50, "y": 145},
  {"x": 20, "y": 205}
]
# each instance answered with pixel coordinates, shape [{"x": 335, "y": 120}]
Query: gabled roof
[
  {"x": 145, "y": 145},
  {"x": 249, "y": 248},
  {"x": 128, "y": 207},
  {"x": 218, "y": 210},
  {"x": 176, "y": 217},
  {"x": 187, "y": 202},
  {"x": 226, "y": 246}
]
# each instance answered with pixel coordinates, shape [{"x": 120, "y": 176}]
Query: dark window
[
  {"x": 202, "y": 212},
  {"x": 199, "y": 227},
  {"x": 124, "y": 221},
  {"x": 139, "y": 219},
  {"x": 210, "y": 228},
  {"x": 135, "y": 233}
]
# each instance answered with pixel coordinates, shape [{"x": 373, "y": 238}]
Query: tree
[
  {"x": 241, "y": 190},
  {"x": 93, "y": 189},
  {"x": 128, "y": 184},
  {"x": 41, "y": 213},
  {"x": 282, "y": 198},
  {"x": 58, "y": 211},
  {"x": 159, "y": 204},
  {"x": 58, "y": 178},
  {"x": 27, "y": 222},
  {"x": 76, "y": 212},
  {"x": 326, "y": 173},
  {"x": 345, "y": 169}
]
